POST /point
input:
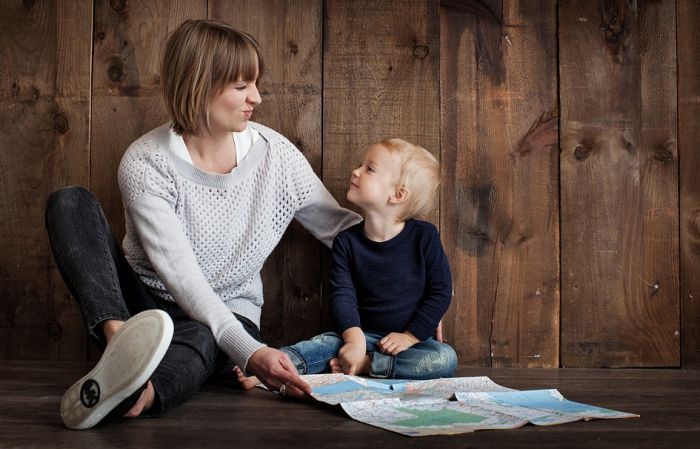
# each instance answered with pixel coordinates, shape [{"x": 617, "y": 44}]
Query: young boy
[{"x": 390, "y": 277}]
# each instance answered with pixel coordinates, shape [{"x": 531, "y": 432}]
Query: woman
[{"x": 207, "y": 197}]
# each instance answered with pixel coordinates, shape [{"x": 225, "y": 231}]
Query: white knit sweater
[{"x": 201, "y": 239}]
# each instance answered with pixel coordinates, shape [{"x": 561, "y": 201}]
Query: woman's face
[{"x": 231, "y": 110}]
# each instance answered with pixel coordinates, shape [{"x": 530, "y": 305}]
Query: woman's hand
[
  {"x": 274, "y": 368},
  {"x": 396, "y": 342}
]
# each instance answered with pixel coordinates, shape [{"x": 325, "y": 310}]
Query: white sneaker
[{"x": 129, "y": 360}]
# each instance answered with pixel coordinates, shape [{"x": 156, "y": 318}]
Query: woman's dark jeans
[{"x": 106, "y": 288}]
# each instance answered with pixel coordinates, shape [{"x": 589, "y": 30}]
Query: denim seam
[
  {"x": 116, "y": 288},
  {"x": 303, "y": 362}
]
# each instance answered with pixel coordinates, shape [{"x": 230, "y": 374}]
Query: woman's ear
[{"x": 399, "y": 196}]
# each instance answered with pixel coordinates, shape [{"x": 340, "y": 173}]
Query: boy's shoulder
[
  {"x": 424, "y": 227},
  {"x": 352, "y": 232}
]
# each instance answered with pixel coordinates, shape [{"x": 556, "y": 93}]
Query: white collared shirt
[{"x": 244, "y": 141}]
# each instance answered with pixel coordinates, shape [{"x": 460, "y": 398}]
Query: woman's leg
[
  {"x": 427, "y": 359},
  {"x": 106, "y": 288},
  {"x": 313, "y": 356},
  {"x": 89, "y": 259}
]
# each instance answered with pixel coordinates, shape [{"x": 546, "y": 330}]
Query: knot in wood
[
  {"x": 581, "y": 152},
  {"x": 695, "y": 223},
  {"x": 663, "y": 155},
  {"x": 60, "y": 123},
  {"x": 55, "y": 331},
  {"x": 420, "y": 51},
  {"x": 117, "y": 5},
  {"x": 293, "y": 48},
  {"x": 116, "y": 70}
]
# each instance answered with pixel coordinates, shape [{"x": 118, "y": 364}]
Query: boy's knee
[{"x": 450, "y": 358}]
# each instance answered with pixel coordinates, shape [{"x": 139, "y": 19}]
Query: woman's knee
[{"x": 68, "y": 200}]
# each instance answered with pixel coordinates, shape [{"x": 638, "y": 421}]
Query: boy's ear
[{"x": 399, "y": 196}]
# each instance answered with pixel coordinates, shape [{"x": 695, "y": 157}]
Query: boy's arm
[
  {"x": 344, "y": 308},
  {"x": 438, "y": 290}
]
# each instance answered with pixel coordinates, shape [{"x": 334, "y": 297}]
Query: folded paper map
[{"x": 448, "y": 406}]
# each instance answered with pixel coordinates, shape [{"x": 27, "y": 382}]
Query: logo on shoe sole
[{"x": 90, "y": 393}]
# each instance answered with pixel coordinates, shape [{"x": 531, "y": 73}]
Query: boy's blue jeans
[{"x": 427, "y": 359}]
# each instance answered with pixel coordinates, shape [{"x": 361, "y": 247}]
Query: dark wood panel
[
  {"x": 619, "y": 181},
  {"x": 499, "y": 210},
  {"x": 128, "y": 43},
  {"x": 44, "y": 107},
  {"x": 688, "y": 22},
  {"x": 219, "y": 415},
  {"x": 381, "y": 79},
  {"x": 290, "y": 34}
]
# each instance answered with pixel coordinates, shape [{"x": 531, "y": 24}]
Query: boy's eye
[{"x": 370, "y": 168}]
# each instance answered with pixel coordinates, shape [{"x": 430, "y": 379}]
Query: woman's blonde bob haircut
[
  {"x": 419, "y": 174},
  {"x": 200, "y": 59}
]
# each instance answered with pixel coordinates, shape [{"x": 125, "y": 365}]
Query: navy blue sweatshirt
[{"x": 402, "y": 284}]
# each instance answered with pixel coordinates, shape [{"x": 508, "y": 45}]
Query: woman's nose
[{"x": 254, "y": 96}]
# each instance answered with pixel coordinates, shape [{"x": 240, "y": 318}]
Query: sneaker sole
[{"x": 129, "y": 360}]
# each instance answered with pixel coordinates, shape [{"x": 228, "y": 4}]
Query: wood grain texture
[
  {"x": 381, "y": 79},
  {"x": 44, "y": 107},
  {"x": 289, "y": 33},
  {"x": 220, "y": 416},
  {"x": 499, "y": 209},
  {"x": 619, "y": 178},
  {"x": 688, "y": 23},
  {"x": 126, "y": 99}
]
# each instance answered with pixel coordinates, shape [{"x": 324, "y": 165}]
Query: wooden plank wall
[
  {"x": 619, "y": 184},
  {"x": 688, "y": 32},
  {"x": 45, "y": 143},
  {"x": 499, "y": 208},
  {"x": 568, "y": 203}
]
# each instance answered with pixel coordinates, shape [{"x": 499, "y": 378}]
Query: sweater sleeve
[
  {"x": 150, "y": 205},
  {"x": 438, "y": 290},
  {"x": 317, "y": 210},
  {"x": 344, "y": 308},
  {"x": 323, "y": 216}
]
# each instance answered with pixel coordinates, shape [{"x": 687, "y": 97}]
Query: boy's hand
[
  {"x": 396, "y": 342},
  {"x": 352, "y": 357},
  {"x": 438, "y": 332}
]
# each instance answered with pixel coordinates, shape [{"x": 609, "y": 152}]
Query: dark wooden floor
[{"x": 667, "y": 400}]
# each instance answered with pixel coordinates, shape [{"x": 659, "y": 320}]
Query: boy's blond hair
[
  {"x": 419, "y": 173},
  {"x": 200, "y": 59}
]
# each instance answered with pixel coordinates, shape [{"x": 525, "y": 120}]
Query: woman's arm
[{"x": 323, "y": 216}]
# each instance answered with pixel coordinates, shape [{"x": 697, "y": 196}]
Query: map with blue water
[{"x": 448, "y": 406}]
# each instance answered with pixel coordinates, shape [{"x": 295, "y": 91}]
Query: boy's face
[{"x": 373, "y": 182}]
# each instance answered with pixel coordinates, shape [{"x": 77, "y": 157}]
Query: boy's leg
[
  {"x": 427, "y": 359},
  {"x": 313, "y": 356}
]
